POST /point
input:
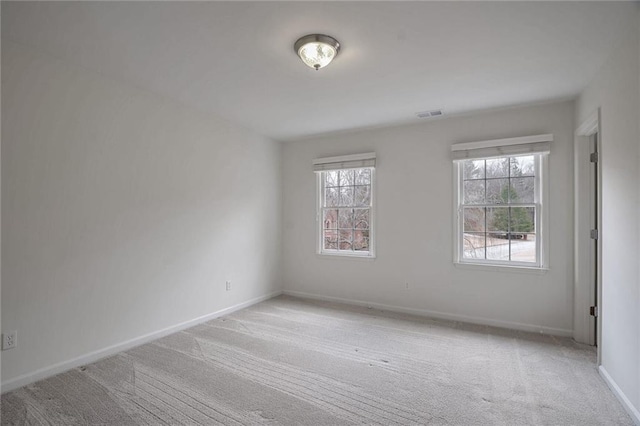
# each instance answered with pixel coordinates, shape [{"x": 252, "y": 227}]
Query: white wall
[
  {"x": 415, "y": 220},
  {"x": 123, "y": 213},
  {"x": 616, "y": 91}
]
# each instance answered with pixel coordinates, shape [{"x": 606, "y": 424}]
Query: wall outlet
[
  {"x": 228, "y": 285},
  {"x": 9, "y": 340},
  {"x": 406, "y": 286}
]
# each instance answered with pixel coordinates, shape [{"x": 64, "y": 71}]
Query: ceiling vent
[{"x": 429, "y": 114}]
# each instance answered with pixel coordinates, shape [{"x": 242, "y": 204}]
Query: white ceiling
[{"x": 236, "y": 59}]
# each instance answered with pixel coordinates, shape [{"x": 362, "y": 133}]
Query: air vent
[{"x": 429, "y": 114}]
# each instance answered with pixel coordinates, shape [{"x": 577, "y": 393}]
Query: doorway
[
  {"x": 587, "y": 233},
  {"x": 593, "y": 234}
]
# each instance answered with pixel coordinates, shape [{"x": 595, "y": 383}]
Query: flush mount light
[{"x": 317, "y": 50}]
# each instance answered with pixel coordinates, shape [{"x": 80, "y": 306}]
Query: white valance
[
  {"x": 538, "y": 144},
  {"x": 355, "y": 161}
]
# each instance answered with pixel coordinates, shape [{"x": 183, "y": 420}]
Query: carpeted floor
[{"x": 296, "y": 362}]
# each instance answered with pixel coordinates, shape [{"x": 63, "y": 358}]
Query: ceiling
[{"x": 236, "y": 59}]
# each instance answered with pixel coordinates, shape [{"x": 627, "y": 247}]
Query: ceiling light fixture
[{"x": 317, "y": 50}]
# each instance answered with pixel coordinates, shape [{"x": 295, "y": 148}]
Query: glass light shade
[
  {"x": 317, "y": 55},
  {"x": 317, "y": 50}
]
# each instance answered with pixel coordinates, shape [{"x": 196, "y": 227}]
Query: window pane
[
  {"x": 523, "y": 249},
  {"x": 330, "y": 219},
  {"x": 473, "y": 245},
  {"x": 522, "y": 166},
  {"x": 363, "y": 176},
  {"x": 361, "y": 218},
  {"x": 522, "y": 190},
  {"x": 361, "y": 240},
  {"x": 346, "y": 196},
  {"x": 473, "y": 219},
  {"x": 497, "y": 246},
  {"x": 345, "y": 238},
  {"x": 330, "y": 178},
  {"x": 522, "y": 219},
  {"x": 345, "y": 218},
  {"x": 498, "y": 221},
  {"x": 363, "y": 195},
  {"x": 497, "y": 191},
  {"x": 331, "y": 239},
  {"x": 330, "y": 197},
  {"x": 473, "y": 169},
  {"x": 346, "y": 177},
  {"x": 474, "y": 192},
  {"x": 497, "y": 167},
  {"x": 498, "y": 233}
]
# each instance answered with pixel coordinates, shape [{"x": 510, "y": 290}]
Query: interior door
[{"x": 593, "y": 215}]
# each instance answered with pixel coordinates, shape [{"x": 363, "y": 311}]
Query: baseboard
[
  {"x": 628, "y": 406},
  {"x": 440, "y": 315},
  {"x": 61, "y": 367}
]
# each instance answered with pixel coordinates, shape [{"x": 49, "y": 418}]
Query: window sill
[
  {"x": 502, "y": 268},
  {"x": 343, "y": 256}
]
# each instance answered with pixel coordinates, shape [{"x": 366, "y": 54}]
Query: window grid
[
  {"x": 511, "y": 233},
  {"x": 346, "y": 215}
]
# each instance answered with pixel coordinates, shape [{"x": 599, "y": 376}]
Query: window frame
[
  {"x": 541, "y": 201},
  {"x": 320, "y": 189}
]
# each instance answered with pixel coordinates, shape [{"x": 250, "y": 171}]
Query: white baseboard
[
  {"x": 440, "y": 315},
  {"x": 61, "y": 367},
  {"x": 628, "y": 406}
]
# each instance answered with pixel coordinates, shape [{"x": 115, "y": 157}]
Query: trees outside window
[
  {"x": 346, "y": 205},
  {"x": 498, "y": 209}
]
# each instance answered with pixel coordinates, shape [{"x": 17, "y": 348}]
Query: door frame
[{"x": 583, "y": 328}]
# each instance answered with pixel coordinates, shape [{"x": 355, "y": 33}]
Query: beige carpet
[{"x": 289, "y": 361}]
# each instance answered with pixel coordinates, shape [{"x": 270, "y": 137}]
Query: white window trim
[
  {"x": 541, "y": 202},
  {"x": 371, "y": 254}
]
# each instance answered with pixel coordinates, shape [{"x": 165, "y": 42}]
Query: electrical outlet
[
  {"x": 406, "y": 285},
  {"x": 228, "y": 285},
  {"x": 9, "y": 340}
]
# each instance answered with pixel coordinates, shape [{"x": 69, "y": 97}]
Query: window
[
  {"x": 500, "y": 206},
  {"x": 345, "y": 205}
]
